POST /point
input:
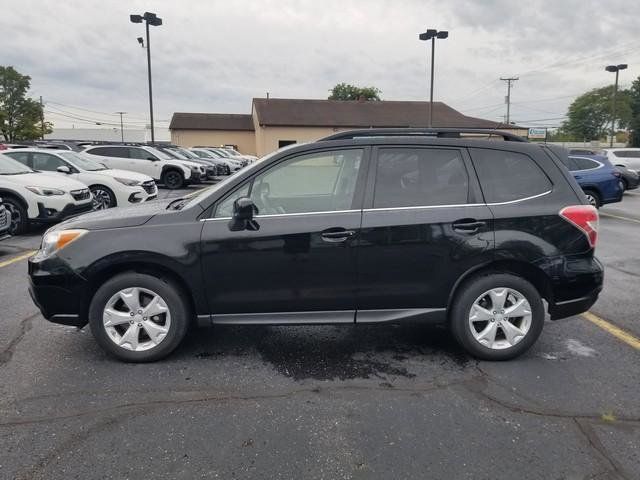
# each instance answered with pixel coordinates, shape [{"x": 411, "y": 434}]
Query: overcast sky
[{"x": 214, "y": 56}]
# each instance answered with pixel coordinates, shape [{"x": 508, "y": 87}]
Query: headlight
[
  {"x": 127, "y": 182},
  {"x": 57, "y": 240},
  {"x": 45, "y": 191}
]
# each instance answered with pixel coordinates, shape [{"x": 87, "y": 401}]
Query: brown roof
[
  {"x": 336, "y": 113},
  {"x": 211, "y": 121}
]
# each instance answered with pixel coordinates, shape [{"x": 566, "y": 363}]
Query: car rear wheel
[
  {"x": 594, "y": 198},
  {"x": 497, "y": 316},
  {"x": 103, "y": 197},
  {"x": 625, "y": 185},
  {"x": 138, "y": 318},
  {"x": 19, "y": 218},
  {"x": 173, "y": 179}
]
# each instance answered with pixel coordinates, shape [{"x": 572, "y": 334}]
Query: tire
[
  {"x": 625, "y": 185},
  {"x": 19, "y": 216},
  {"x": 593, "y": 197},
  {"x": 174, "y": 319},
  {"x": 103, "y": 197},
  {"x": 466, "y": 330},
  {"x": 173, "y": 179}
]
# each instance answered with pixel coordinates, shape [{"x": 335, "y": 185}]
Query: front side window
[
  {"x": 140, "y": 154},
  {"x": 416, "y": 177},
  {"x": 315, "y": 182},
  {"x": 508, "y": 176},
  {"x": 46, "y": 162}
]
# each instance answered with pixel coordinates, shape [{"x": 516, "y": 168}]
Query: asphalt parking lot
[{"x": 328, "y": 402}]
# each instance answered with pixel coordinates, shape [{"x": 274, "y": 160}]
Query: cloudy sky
[{"x": 214, "y": 56}]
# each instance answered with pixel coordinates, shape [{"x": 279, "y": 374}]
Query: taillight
[{"x": 585, "y": 217}]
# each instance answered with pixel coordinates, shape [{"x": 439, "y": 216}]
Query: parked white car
[
  {"x": 173, "y": 173},
  {"x": 34, "y": 197},
  {"x": 627, "y": 157},
  {"x": 233, "y": 165},
  {"x": 109, "y": 187}
]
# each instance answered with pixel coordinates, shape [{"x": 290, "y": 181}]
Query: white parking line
[{"x": 635, "y": 220}]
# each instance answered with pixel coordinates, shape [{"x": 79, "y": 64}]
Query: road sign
[{"x": 540, "y": 133}]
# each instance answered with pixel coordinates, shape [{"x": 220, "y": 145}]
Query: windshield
[
  {"x": 176, "y": 154},
  {"x": 9, "y": 166},
  {"x": 81, "y": 162},
  {"x": 160, "y": 154},
  {"x": 204, "y": 154},
  {"x": 185, "y": 152}
]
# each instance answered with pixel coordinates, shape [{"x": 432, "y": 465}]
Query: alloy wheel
[
  {"x": 101, "y": 198},
  {"x": 172, "y": 179},
  {"x": 136, "y": 319},
  {"x": 500, "y": 318},
  {"x": 16, "y": 218},
  {"x": 592, "y": 200}
]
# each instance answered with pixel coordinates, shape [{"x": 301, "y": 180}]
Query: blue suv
[{"x": 600, "y": 181}]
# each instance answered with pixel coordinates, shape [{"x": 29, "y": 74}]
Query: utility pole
[
  {"x": 41, "y": 119},
  {"x": 121, "y": 129},
  {"x": 508, "y": 97}
]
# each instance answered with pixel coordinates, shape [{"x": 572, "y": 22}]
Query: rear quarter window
[{"x": 507, "y": 176}]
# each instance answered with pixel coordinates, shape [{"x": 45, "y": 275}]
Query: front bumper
[
  {"x": 59, "y": 293},
  {"x": 51, "y": 215}
]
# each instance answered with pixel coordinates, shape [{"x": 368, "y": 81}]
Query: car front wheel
[
  {"x": 103, "y": 197},
  {"x": 19, "y": 218},
  {"x": 138, "y": 318},
  {"x": 497, "y": 316},
  {"x": 173, "y": 179}
]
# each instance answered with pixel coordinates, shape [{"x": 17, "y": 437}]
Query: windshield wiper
[{"x": 177, "y": 204}]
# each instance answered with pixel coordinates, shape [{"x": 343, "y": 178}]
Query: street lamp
[
  {"x": 155, "y": 21},
  {"x": 616, "y": 69},
  {"x": 432, "y": 34}
]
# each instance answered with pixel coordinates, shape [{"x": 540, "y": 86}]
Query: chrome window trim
[{"x": 417, "y": 207}]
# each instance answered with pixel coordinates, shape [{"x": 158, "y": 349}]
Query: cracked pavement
[{"x": 379, "y": 401}]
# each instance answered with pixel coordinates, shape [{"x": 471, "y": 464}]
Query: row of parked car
[
  {"x": 604, "y": 175},
  {"x": 47, "y": 183}
]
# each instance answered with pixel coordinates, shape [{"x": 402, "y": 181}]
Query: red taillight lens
[{"x": 585, "y": 217}]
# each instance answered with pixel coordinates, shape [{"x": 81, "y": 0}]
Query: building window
[{"x": 284, "y": 143}]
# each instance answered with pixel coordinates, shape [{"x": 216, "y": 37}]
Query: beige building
[{"x": 276, "y": 122}]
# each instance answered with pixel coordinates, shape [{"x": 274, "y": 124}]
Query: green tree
[
  {"x": 20, "y": 117},
  {"x": 589, "y": 116},
  {"x": 344, "y": 91},
  {"x": 634, "y": 98}
]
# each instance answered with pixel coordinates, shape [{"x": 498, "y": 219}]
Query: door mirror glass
[
  {"x": 243, "y": 212},
  {"x": 63, "y": 169}
]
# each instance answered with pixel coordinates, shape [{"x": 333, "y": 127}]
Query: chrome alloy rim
[
  {"x": 500, "y": 318},
  {"x": 101, "y": 199},
  {"x": 136, "y": 319},
  {"x": 15, "y": 218},
  {"x": 592, "y": 200}
]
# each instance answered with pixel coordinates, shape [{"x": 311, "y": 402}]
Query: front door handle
[
  {"x": 336, "y": 235},
  {"x": 468, "y": 225}
]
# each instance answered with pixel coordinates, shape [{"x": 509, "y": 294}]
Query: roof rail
[{"x": 423, "y": 132}]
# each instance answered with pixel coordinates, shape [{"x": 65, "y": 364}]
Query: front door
[
  {"x": 301, "y": 260},
  {"x": 423, "y": 226}
]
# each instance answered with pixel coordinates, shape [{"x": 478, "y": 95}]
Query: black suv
[{"x": 363, "y": 226}]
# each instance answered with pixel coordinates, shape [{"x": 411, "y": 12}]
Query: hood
[
  {"x": 187, "y": 163},
  {"x": 50, "y": 180},
  {"x": 119, "y": 217},
  {"x": 140, "y": 177}
]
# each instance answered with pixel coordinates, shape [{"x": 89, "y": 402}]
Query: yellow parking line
[
  {"x": 620, "y": 218},
  {"x": 17, "y": 259},
  {"x": 617, "y": 332}
]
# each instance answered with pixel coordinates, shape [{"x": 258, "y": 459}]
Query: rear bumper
[{"x": 576, "y": 285}]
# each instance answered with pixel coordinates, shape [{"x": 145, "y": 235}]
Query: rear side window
[
  {"x": 584, "y": 163},
  {"x": 507, "y": 176},
  {"x": 414, "y": 177},
  {"x": 627, "y": 153},
  {"x": 22, "y": 157}
]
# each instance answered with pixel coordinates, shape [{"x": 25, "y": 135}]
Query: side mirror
[
  {"x": 64, "y": 169},
  {"x": 243, "y": 212}
]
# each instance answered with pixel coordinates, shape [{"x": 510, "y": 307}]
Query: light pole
[
  {"x": 616, "y": 69},
  {"x": 121, "y": 129},
  {"x": 155, "y": 21},
  {"x": 432, "y": 34}
]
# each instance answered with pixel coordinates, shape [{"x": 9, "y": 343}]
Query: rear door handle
[
  {"x": 336, "y": 235},
  {"x": 468, "y": 225}
]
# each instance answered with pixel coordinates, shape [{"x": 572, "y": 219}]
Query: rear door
[
  {"x": 112, "y": 157},
  {"x": 423, "y": 225}
]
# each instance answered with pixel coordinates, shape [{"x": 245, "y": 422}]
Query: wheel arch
[
  {"x": 531, "y": 273},
  {"x": 153, "y": 267},
  {"x": 4, "y": 193}
]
